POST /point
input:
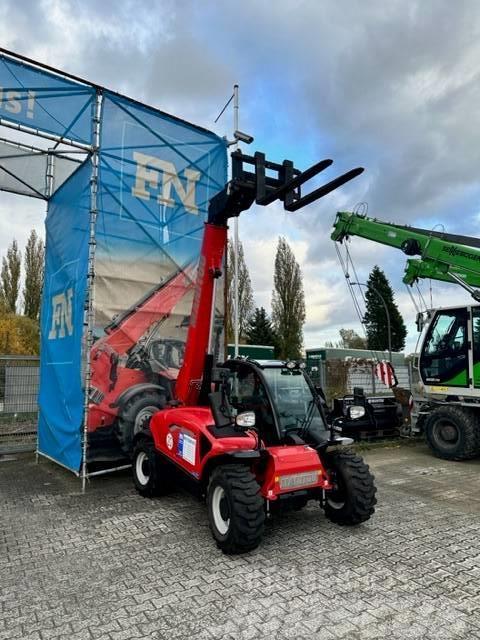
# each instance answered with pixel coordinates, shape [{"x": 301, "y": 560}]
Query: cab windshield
[{"x": 293, "y": 398}]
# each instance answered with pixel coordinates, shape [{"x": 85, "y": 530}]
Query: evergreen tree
[
  {"x": 245, "y": 293},
  {"x": 288, "y": 302},
  {"x": 260, "y": 329},
  {"x": 10, "y": 277},
  {"x": 375, "y": 317},
  {"x": 33, "y": 263}
]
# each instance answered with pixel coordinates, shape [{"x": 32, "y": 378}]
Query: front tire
[
  {"x": 135, "y": 417},
  {"x": 452, "y": 433},
  {"x": 353, "y": 499},
  {"x": 236, "y": 511},
  {"x": 149, "y": 476}
]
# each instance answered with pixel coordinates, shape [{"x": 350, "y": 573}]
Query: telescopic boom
[{"x": 254, "y": 179}]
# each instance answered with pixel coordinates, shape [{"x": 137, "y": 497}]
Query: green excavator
[{"x": 447, "y": 409}]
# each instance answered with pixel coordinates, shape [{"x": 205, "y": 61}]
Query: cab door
[
  {"x": 476, "y": 346},
  {"x": 249, "y": 394},
  {"x": 444, "y": 359}
]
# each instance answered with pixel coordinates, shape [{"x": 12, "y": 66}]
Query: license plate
[{"x": 298, "y": 480}]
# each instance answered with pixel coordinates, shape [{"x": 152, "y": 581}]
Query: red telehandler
[
  {"x": 250, "y": 436},
  {"x": 133, "y": 368}
]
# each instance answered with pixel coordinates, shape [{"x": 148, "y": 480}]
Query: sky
[{"x": 392, "y": 86}]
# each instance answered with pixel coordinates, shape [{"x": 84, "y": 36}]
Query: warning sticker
[{"x": 186, "y": 447}]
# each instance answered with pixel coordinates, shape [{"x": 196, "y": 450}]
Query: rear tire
[
  {"x": 149, "y": 475},
  {"x": 452, "y": 433},
  {"x": 236, "y": 510},
  {"x": 353, "y": 500},
  {"x": 135, "y": 417}
]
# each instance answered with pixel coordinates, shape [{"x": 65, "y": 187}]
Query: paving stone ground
[{"x": 110, "y": 564}]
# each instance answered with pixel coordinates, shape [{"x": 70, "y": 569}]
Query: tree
[
  {"x": 245, "y": 293},
  {"x": 375, "y": 317},
  {"x": 288, "y": 302},
  {"x": 10, "y": 277},
  {"x": 19, "y": 335},
  {"x": 260, "y": 329},
  {"x": 349, "y": 339},
  {"x": 33, "y": 264}
]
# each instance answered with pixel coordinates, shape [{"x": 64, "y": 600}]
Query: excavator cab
[{"x": 444, "y": 356}]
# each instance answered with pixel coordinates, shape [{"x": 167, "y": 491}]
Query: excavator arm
[{"x": 443, "y": 256}]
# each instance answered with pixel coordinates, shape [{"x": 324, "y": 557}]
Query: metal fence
[
  {"x": 339, "y": 377},
  {"x": 19, "y": 377}
]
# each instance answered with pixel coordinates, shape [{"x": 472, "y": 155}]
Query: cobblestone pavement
[{"x": 113, "y": 565}]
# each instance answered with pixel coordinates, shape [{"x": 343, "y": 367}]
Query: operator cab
[
  {"x": 287, "y": 408},
  {"x": 444, "y": 356}
]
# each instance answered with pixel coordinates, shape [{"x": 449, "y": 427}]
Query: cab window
[
  {"x": 476, "y": 345},
  {"x": 444, "y": 359},
  {"x": 248, "y": 394}
]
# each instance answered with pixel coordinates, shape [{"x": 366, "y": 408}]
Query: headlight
[
  {"x": 246, "y": 419},
  {"x": 355, "y": 412},
  {"x": 295, "y": 480}
]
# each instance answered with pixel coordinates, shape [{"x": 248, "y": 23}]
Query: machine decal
[
  {"x": 169, "y": 440},
  {"x": 187, "y": 447}
]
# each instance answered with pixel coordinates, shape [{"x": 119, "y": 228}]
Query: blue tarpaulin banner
[
  {"x": 61, "y": 396},
  {"x": 34, "y": 98},
  {"x": 156, "y": 176}
]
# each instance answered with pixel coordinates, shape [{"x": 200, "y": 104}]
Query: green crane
[
  {"x": 443, "y": 256},
  {"x": 449, "y": 359}
]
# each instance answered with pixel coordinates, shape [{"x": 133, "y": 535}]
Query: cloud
[{"x": 390, "y": 86}]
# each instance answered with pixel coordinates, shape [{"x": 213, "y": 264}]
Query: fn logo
[{"x": 62, "y": 315}]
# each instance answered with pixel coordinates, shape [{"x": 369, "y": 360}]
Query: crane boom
[{"x": 443, "y": 256}]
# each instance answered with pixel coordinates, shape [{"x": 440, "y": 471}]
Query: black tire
[
  {"x": 236, "y": 510},
  {"x": 149, "y": 474},
  {"x": 353, "y": 499},
  {"x": 452, "y": 433},
  {"x": 135, "y": 417}
]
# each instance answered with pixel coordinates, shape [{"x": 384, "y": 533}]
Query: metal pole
[
  {"x": 235, "y": 237},
  {"x": 387, "y": 313},
  {"x": 389, "y": 327},
  {"x": 42, "y": 134},
  {"x": 49, "y": 186},
  {"x": 50, "y": 174},
  {"x": 89, "y": 306}
]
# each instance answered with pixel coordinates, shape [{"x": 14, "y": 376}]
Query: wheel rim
[
  {"x": 142, "y": 468},
  {"x": 335, "y": 504},
  {"x": 446, "y": 433},
  {"x": 143, "y": 417},
  {"x": 220, "y": 511},
  {"x": 336, "y": 498}
]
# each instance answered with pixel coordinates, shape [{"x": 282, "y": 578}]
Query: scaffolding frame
[{"x": 65, "y": 145}]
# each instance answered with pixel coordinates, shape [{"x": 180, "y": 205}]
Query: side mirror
[
  {"x": 355, "y": 412},
  {"x": 246, "y": 420}
]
